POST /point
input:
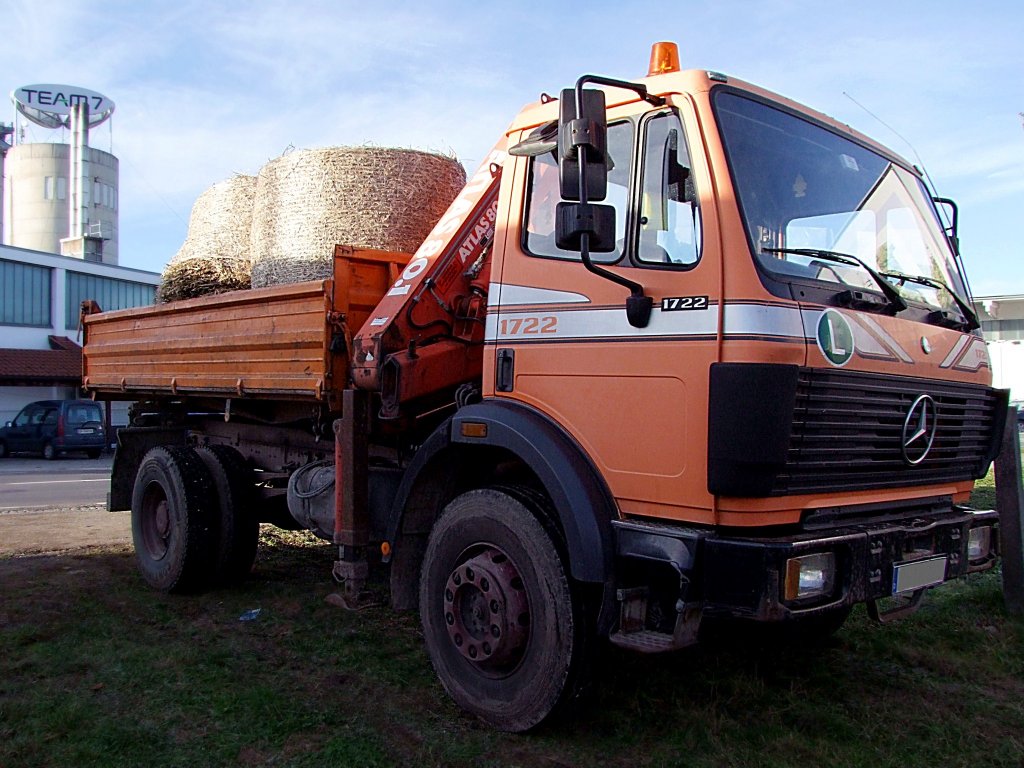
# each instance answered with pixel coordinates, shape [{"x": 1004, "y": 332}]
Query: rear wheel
[
  {"x": 93, "y": 453},
  {"x": 3, "y": 450},
  {"x": 174, "y": 511},
  {"x": 238, "y": 533},
  {"x": 501, "y": 625}
]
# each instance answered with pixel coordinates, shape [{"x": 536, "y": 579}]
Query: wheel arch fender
[{"x": 448, "y": 460}]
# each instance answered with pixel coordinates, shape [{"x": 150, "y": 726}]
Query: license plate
[
  {"x": 85, "y": 431},
  {"x": 906, "y": 577}
]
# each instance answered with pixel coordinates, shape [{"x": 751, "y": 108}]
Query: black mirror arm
[
  {"x": 952, "y": 232},
  {"x": 638, "y": 305},
  {"x": 640, "y": 90},
  {"x": 954, "y": 225}
]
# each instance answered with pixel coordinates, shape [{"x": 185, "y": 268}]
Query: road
[
  {"x": 52, "y": 506},
  {"x": 31, "y": 483}
]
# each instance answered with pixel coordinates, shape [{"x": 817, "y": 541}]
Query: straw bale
[
  {"x": 309, "y": 200},
  {"x": 215, "y": 255},
  {"x": 201, "y": 276}
]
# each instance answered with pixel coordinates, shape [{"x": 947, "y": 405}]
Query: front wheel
[{"x": 502, "y": 628}]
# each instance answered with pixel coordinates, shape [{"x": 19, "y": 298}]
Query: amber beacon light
[{"x": 664, "y": 58}]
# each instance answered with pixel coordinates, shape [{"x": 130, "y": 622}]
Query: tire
[
  {"x": 238, "y": 530},
  {"x": 503, "y": 630},
  {"x": 94, "y": 453},
  {"x": 49, "y": 452},
  {"x": 4, "y": 453},
  {"x": 174, "y": 512}
]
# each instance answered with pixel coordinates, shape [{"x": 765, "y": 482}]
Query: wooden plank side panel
[{"x": 264, "y": 342}]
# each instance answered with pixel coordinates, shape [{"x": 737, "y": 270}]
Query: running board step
[{"x": 644, "y": 641}]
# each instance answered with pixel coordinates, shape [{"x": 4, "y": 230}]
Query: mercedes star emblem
[{"x": 919, "y": 430}]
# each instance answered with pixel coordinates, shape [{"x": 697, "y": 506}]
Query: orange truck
[{"x": 682, "y": 351}]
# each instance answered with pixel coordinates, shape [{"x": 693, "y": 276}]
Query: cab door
[{"x": 634, "y": 398}]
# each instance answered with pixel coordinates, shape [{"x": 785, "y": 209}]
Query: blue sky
[{"x": 208, "y": 89}]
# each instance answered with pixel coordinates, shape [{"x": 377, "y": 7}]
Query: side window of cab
[
  {"x": 669, "y": 213},
  {"x": 543, "y": 196}
]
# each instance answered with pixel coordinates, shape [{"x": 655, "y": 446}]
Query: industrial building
[
  {"x": 58, "y": 221},
  {"x": 37, "y": 213},
  {"x": 1002, "y": 322},
  {"x": 40, "y": 295},
  {"x": 59, "y": 197}
]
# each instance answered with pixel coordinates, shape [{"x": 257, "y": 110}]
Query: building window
[
  {"x": 108, "y": 292},
  {"x": 104, "y": 195},
  {"x": 24, "y": 294},
  {"x": 55, "y": 188}
]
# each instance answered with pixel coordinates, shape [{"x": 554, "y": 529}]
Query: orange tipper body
[{"x": 740, "y": 378}]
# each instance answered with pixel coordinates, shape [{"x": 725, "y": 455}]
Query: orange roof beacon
[{"x": 681, "y": 349}]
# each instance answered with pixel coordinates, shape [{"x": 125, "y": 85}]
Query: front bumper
[
  {"x": 736, "y": 574},
  {"x": 745, "y": 577}
]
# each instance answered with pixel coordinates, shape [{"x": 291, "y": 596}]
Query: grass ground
[{"x": 96, "y": 670}]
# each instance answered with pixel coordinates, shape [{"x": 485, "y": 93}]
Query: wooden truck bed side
[{"x": 285, "y": 342}]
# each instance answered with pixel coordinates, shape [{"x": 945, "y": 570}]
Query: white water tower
[{"x": 61, "y": 198}]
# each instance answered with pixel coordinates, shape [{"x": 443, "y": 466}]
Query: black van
[{"x": 53, "y": 427}]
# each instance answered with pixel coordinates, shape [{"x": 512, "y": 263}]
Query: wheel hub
[
  {"x": 486, "y": 609},
  {"x": 156, "y": 523}
]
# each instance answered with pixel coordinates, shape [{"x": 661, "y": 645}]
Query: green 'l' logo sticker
[{"x": 835, "y": 337}]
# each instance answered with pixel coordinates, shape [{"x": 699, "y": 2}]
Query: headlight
[
  {"x": 979, "y": 543},
  {"x": 810, "y": 576}
]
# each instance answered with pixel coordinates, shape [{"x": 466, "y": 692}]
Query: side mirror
[
  {"x": 583, "y": 160},
  {"x": 573, "y": 220},
  {"x": 583, "y": 178},
  {"x": 582, "y": 138}
]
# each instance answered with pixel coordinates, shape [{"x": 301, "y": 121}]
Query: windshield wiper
[
  {"x": 970, "y": 319},
  {"x": 891, "y": 294}
]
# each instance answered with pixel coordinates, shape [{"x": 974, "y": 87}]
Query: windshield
[{"x": 801, "y": 186}]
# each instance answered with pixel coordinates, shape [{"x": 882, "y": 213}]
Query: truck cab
[
  {"x": 777, "y": 362},
  {"x": 792, "y": 424}
]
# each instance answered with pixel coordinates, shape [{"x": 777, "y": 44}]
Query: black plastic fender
[{"x": 580, "y": 497}]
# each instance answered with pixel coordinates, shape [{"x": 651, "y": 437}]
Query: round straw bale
[
  {"x": 202, "y": 276},
  {"x": 370, "y": 197},
  {"x": 215, "y": 255}
]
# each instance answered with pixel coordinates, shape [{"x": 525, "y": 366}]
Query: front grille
[{"x": 847, "y": 432}]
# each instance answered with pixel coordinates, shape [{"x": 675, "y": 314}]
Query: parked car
[{"x": 53, "y": 427}]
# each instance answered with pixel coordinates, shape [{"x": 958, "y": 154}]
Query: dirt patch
[{"x": 45, "y": 531}]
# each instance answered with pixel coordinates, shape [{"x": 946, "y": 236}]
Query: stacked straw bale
[
  {"x": 215, "y": 256},
  {"x": 369, "y": 197}
]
